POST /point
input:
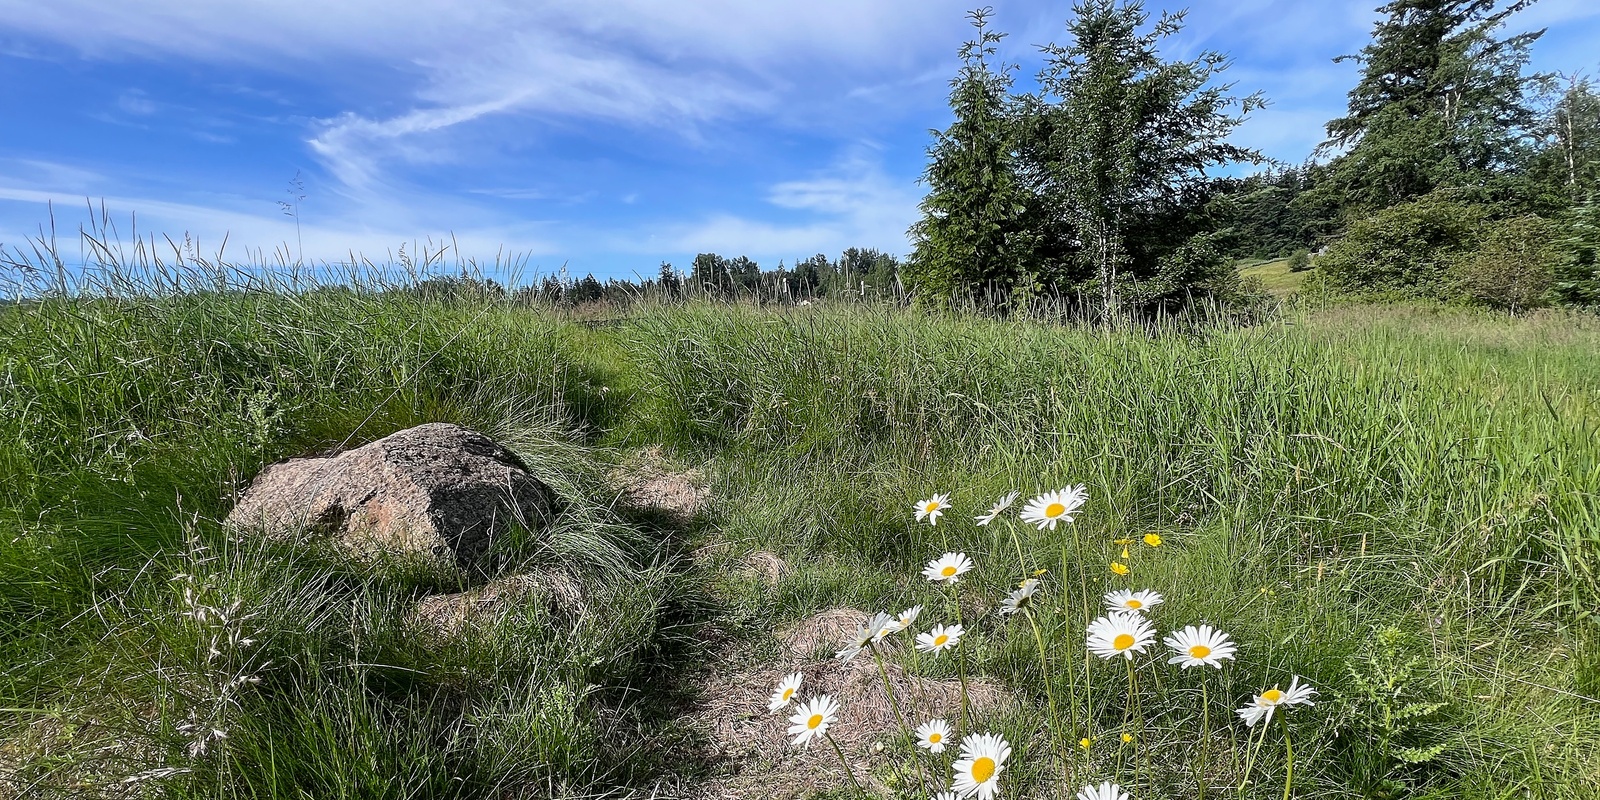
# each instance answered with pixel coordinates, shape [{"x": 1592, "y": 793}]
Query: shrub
[
  {"x": 1514, "y": 265},
  {"x": 1300, "y": 261},
  {"x": 1408, "y": 249}
]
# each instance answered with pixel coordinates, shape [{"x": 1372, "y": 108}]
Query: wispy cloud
[
  {"x": 852, "y": 204},
  {"x": 256, "y": 236}
]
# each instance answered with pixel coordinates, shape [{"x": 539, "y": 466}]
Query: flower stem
[
  {"x": 1252, "y": 747},
  {"x": 850, "y": 773},
  {"x": 1288, "y": 753},
  {"x": 1205, "y": 740},
  {"x": 1049, "y": 691},
  {"x": 961, "y": 662},
  {"x": 888, "y": 688}
]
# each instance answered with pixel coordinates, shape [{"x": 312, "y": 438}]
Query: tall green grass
[
  {"x": 1396, "y": 497},
  {"x": 1315, "y": 481}
]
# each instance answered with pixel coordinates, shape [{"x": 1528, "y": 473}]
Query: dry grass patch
[
  {"x": 648, "y": 482},
  {"x": 751, "y": 748}
]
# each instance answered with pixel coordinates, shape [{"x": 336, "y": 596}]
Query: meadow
[{"x": 1396, "y": 504}]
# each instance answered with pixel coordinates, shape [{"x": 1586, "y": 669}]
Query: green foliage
[
  {"x": 1577, "y": 279},
  {"x": 1300, "y": 261},
  {"x": 1264, "y": 214},
  {"x": 966, "y": 239},
  {"x": 1408, "y": 250},
  {"x": 1513, "y": 264},
  {"x": 1395, "y": 720},
  {"x": 1568, "y": 162},
  {"x": 1440, "y": 103},
  {"x": 1117, "y": 146},
  {"x": 1095, "y": 185}
]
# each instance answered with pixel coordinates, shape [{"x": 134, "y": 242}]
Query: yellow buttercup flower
[
  {"x": 1119, "y": 568},
  {"x": 1127, "y": 737},
  {"x": 1085, "y": 742},
  {"x": 1152, "y": 539}
]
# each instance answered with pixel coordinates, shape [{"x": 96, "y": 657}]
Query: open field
[
  {"x": 1397, "y": 504},
  {"x": 1275, "y": 277}
]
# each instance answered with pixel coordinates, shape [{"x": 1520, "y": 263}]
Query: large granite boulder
[{"x": 436, "y": 490}]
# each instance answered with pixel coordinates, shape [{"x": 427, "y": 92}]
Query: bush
[
  {"x": 1300, "y": 261},
  {"x": 1514, "y": 265},
  {"x": 1407, "y": 250}
]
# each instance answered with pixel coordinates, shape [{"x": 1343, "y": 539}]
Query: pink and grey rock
[{"x": 435, "y": 490}]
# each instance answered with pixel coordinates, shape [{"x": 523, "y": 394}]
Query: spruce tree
[
  {"x": 973, "y": 209},
  {"x": 1118, "y": 146},
  {"x": 1440, "y": 102}
]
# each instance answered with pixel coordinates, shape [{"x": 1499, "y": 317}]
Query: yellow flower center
[
  {"x": 816, "y": 719},
  {"x": 787, "y": 693},
  {"x": 1054, "y": 510},
  {"x": 1272, "y": 695},
  {"x": 940, "y": 639},
  {"x": 983, "y": 769},
  {"x": 931, "y": 507},
  {"x": 1134, "y": 603},
  {"x": 1122, "y": 642},
  {"x": 948, "y": 571},
  {"x": 1199, "y": 651},
  {"x": 933, "y": 738}
]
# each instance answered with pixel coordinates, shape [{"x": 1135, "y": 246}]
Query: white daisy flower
[
  {"x": 898, "y": 624},
  {"x": 784, "y": 693},
  {"x": 812, "y": 718},
  {"x": 932, "y": 735},
  {"x": 1264, "y": 704},
  {"x": 941, "y": 638},
  {"x": 1120, "y": 634},
  {"x": 948, "y": 567},
  {"x": 994, "y": 510},
  {"x": 1105, "y": 791},
  {"x": 1052, "y": 507},
  {"x": 931, "y": 508},
  {"x": 1194, "y": 646},
  {"x": 1020, "y": 597},
  {"x": 978, "y": 769},
  {"x": 865, "y": 636},
  {"x": 1129, "y": 600}
]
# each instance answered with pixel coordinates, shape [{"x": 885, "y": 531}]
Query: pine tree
[
  {"x": 1118, "y": 145},
  {"x": 974, "y": 203},
  {"x": 1441, "y": 102}
]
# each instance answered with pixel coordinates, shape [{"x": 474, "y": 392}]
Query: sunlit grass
[{"x": 1361, "y": 496}]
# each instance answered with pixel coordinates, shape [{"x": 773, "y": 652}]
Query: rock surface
[{"x": 435, "y": 490}]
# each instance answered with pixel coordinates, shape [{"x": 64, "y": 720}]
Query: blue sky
[{"x": 608, "y": 136}]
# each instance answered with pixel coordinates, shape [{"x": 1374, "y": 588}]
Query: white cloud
[
  {"x": 633, "y": 62},
  {"x": 855, "y": 204},
  {"x": 250, "y": 236},
  {"x": 134, "y": 101}
]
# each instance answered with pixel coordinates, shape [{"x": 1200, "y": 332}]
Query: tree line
[{"x": 856, "y": 274}]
